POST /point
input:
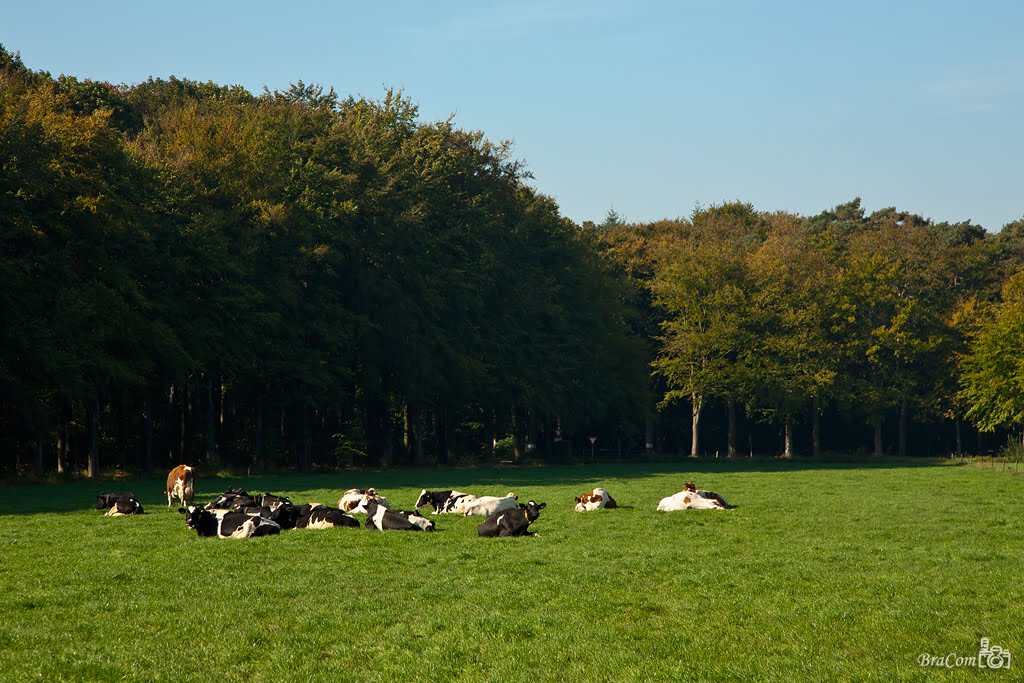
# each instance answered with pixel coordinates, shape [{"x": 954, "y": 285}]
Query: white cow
[
  {"x": 485, "y": 506},
  {"x": 692, "y": 498}
]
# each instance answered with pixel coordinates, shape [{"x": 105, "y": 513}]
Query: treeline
[
  {"x": 850, "y": 318},
  {"x": 193, "y": 273},
  {"x": 196, "y": 274}
]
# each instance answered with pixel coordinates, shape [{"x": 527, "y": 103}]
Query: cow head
[
  {"x": 192, "y": 515},
  {"x": 426, "y": 498},
  {"x": 690, "y": 486},
  {"x": 105, "y": 500},
  {"x": 532, "y": 509}
]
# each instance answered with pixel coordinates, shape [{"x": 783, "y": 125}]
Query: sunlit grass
[{"x": 823, "y": 572}]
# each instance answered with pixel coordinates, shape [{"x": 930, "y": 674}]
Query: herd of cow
[{"x": 236, "y": 514}]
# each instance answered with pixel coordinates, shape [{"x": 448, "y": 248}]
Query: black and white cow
[
  {"x": 286, "y": 515},
  {"x": 444, "y": 502},
  {"x": 271, "y": 501},
  {"x": 118, "y": 505},
  {"x": 512, "y": 522},
  {"x": 416, "y": 518},
  {"x": 381, "y": 518},
  {"x": 314, "y": 516},
  {"x": 232, "y": 499},
  {"x": 228, "y": 524}
]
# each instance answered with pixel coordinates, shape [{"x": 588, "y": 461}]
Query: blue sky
[{"x": 650, "y": 108}]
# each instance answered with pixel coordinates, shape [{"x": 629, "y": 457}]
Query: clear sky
[{"x": 650, "y": 108}]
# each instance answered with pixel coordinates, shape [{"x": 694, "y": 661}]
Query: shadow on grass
[{"x": 79, "y": 495}]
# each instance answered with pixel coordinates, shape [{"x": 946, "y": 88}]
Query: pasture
[{"x": 823, "y": 572}]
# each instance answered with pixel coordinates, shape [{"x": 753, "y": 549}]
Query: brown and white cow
[
  {"x": 357, "y": 500},
  {"x": 595, "y": 500},
  {"x": 181, "y": 484},
  {"x": 692, "y": 498}
]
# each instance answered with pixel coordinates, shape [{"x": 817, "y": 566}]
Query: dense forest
[{"x": 194, "y": 273}]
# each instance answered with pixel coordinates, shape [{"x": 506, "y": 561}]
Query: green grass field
[{"x": 823, "y": 572}]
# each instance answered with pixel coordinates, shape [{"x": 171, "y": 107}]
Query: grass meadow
[{"x": 823, "y": 572}]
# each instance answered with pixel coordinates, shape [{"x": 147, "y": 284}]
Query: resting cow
[
  {"x": 356, "y": 500},
  {"x": 271, "y": 501},
  {"x": 444, "y": 502},
  {"x": 595, "y": 500},
  {"x": 229, "y": 524},
  {"x": 314, "y": 516},
  {"x": 181, "y": 484},
  {"x": 692, "y": 498},
  {"x": 416, "y": 518},
  {"x": 512, "y": 522},
  {"x": 485, "y": 506},
  {"x": 381, "y": 518},
  {"x": 285, "y": 515},
  {"x": 118, "y": 505},
  {"x": 232, "y": 499}
]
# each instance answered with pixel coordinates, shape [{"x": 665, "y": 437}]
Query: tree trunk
[
  {"x": 730, "y": 450},
  {"x": 211, "y": 424},
  {"x": 876, "y": 423},
  {"x": 517, "y": 451},
  {"x": 63, "y": 419},
  {"x": 171, "y": 414},
  {"x": 37, "y": 456},
  {"x": 649, "y": 434},
  {"x": 184, "y": 402},
  {"x": 904, "y": 426},
  {"x": 304, "y": 437},
  {"x": 959, "y": 440},
  {"x": 787, "y": 450},
  {"x": 441, "y": 430},
  {"x": 93, "y": 417},
  {"x": 258, "y": 437},
  {"x": 147, "y": 440},
  {"x": 815, "y": 430},
  {"x": 697, "y": 406}
]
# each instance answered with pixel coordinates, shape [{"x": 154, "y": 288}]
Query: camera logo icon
[{"x": 992, "y": 656}]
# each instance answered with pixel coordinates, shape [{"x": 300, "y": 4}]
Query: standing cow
[{"x": 181, "y": 484}]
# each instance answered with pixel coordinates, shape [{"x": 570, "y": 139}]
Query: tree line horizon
[{"x": 197, "y": 274}]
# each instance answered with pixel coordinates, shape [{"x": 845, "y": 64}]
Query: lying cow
[
  {"x": 314, "y": 516},
  {"x": 512, "y": 522},
  {"x": 381, "y": 518},
  {"x": 286, "y": 515},
  {"x": 444, "y": 502},
  {"x": 692, "y": 498},
  {"x": 485, "y": 506},
  {"x": 416, "y": 518},
  {"x": 181, "y": 484},
  {"x": 595, "y": 500},
  {"x": 227, "y": 525},
  {"x": 356, "y": 500},
  {"x": 118, "y": 505},
  {"x": 271, "y": 501},
  {"x": 232, "y": 499}
]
